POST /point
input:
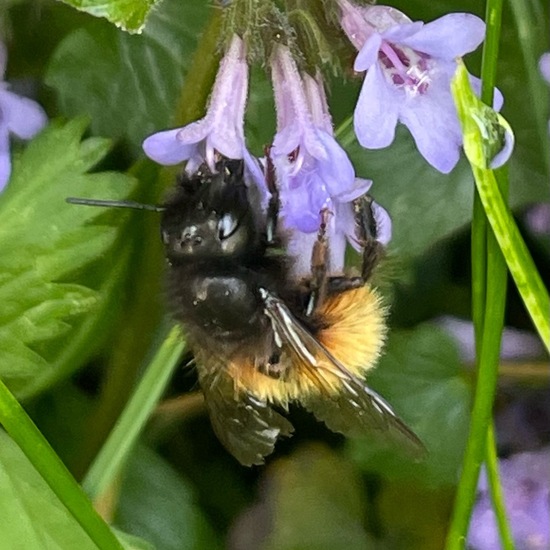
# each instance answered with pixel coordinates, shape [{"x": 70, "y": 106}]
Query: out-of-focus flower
[
  {"x": 220, "y": 131},
  {"x": 409, "y": 68},
  {"x": 314, "y": 173},
  {"x": 19, "y": 116},
  {"x": 517, "y": 345},
  {"x": 544, "y": 67},
  {"x": 526, "y": 485}
]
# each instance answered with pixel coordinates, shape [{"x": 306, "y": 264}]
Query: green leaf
[
  {"x": 420, "y": 376},
  {"x": 156, "y": 503},
  {"x": 44, "y": 243},
  {"x": 132, "y": 83},
  {"x": 33, "y": 518},
  {"x": 426, "y": 206},
  {"x": 313, "y": 499},
  {"x": 127, "y": 14}
]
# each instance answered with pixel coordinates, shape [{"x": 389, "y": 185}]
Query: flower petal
[
  {"x": 498, "y": 98},
  {"x": 504, "y": 154},
  {"x": 360, "y": 187},
  {"x": 433, "y": 123},
  {"x": 165, "y": 147},
  {"x": 24, "y": 117},
  {"x": 335, "y": 170},
  {"x": 287, "y": 140},
  {"x": 375, "y": 115},
  {"x": 544, "y": 66},
  {"x": 450, "y": 36},
  {"x": 5, "y": 161},
  {"x": 368, "y": 54},
  {"x": 383, "y": 224},
  {"x": 399, "y": 33}
]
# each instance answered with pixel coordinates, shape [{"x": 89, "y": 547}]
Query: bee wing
[
  {"x": 352, "y": 410},
  {"x": 247, "y": 426}
]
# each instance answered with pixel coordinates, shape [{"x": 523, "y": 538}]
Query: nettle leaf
[
  {"x": 130, "y": 15},
  {"x": 132, "y": 83},
  {"x": 32, "y": 516},
  {"x": 420, "y": 376},
  {"x": 156, "y": 503},
  {"x": 44, "y": 243}
]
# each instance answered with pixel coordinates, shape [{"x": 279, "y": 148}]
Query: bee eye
[{"x": 227, "y": 225}]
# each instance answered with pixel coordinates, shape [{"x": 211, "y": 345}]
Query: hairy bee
[{"x": 262, "y": 339}]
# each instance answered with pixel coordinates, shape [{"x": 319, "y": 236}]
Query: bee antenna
[{"x": 115, "y": 204}]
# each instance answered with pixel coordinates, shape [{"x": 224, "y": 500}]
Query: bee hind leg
[
  {"x": 319, "y": 266},
  {"x": 273, "y": 367}
]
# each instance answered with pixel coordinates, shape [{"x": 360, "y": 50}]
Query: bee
[{"x": 262, "y": 339}]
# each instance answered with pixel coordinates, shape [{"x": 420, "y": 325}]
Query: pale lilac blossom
[
  {"x": 221, "y": 131},
  {"x": 314, "y": 173},
  {"x": 20, "y": 116},
  {"x": 544, "y": 67},
  {"x": 409, "y": 66},
  {"x": 526, "y": 486}
]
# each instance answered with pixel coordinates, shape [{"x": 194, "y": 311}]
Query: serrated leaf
[
  {"x": 32, "y": 516},
  {"x": 420, "y": 376},
  {"x": 132, "y": 83},
  {"x": 157, "y": 504},
  {"x": 43, "y": 242},
  {"x": 130, "y": 15}
]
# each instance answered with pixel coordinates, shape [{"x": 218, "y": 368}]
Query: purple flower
[
  {"x": 314, "y": 173},
  {"x": 220, "y": 131},
  {"x": 544, "y": 67},
  {"x": 526, "y": 484},
  {"x": 409, "y": 68},
  {"x": 18, "y": 115}
]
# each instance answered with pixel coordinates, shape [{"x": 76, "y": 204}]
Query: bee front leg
[
  {"x": 274, "y": 201},
  {"x": 366, "y": 233}
]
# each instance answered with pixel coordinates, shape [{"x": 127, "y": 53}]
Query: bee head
[{"x": 209, "y": 215}]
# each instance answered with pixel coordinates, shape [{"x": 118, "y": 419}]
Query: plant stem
[
  {"x": 24, "y": 432},
  {"x": 489, "y": 279},
  {"x": 491, "y": 462}
]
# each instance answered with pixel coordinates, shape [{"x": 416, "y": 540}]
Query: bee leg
[
  {"x": 274, "y": 203},
  {"x": 366, "y": 233},
  {"x": 319, "y": 266},
  {"x": 273, "y": 367}
]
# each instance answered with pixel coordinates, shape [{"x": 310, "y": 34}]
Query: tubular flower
[
  {"x": 314, "y": 173},
  {"x": 312, "y": 169},
  {"x": 220, "y": 131},
  {"x": 409, "y": 66},
  {"x": 18, "y": 115}
]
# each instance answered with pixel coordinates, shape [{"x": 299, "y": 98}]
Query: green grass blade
[{"x": 120, "y": 442}]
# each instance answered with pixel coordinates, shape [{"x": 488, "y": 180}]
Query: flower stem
[
  {"x": 491, "y": 463},
  {"x": 24, "y": 432},
  {"x": 120, "y": 442},
  {"x": 489, "y": 280}
]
